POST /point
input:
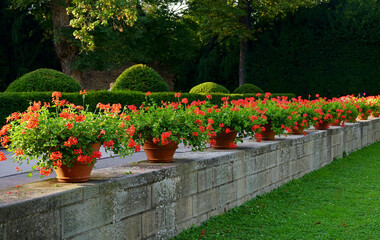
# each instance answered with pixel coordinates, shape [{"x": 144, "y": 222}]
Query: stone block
[
  {"x": 127, "y": 229},
  {"x": 284, "y": 170},
  {"x": 204, "y": 202},
  {"x": 182, "y": 226},
  {"x": 271, "y": 159},
  {"x": 131, "y": 201},
  {"x": 227, "y": 193},
  {"x": 164, "y": 191},
  {"x": 86, "y": 215},
  {"x": 241, "y": 187},
  {"x": 239, "y": 169},
  {"x": 222, "y": 174},
  {"x": 283, "y": 155},
  {"x": 200, "y": 219},
  {"x": 159, "y": 222},
  {"x": 251, "y": 184},
  {"x": 184, "y": 209},
  {"x": 259, "y": 163},
  {"x": 204, "y": 179},
  {"x": 38, "y": 226},
  {"x": 187, "y": 185},
  {"x": 299, "y": 150},
  {"x": 274, "y": 174},
  {"x": 263, "y": 179},
  {"x": 243, "y": 200},
  {"x": 307, "y": 148},
  {"x": 216, "y": 212},
  {"x": 294, "y": 167}
]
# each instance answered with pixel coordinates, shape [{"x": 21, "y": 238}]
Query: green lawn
[{"x": 340, "y": 201}]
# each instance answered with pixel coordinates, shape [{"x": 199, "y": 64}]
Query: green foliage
[
  {"x": 140, "y": 78},
  {"x": 19, "y": 102},
  {"x": 331, "y": 50},
  {"x": 42, "y": 80},
  {"x": 248, "y": 88},
  {"x": 87, "y": 15},
  {"x": 25, "y": 45},
  {"x": 209, "y": 87},
  {"x": 326, "y": 204}
]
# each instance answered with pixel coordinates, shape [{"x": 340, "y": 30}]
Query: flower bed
[{"x": 62, "y": 134}]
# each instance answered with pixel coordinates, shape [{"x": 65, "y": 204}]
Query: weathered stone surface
[
  {"x": 204, "y": 179},
  {"x": 130, "y": 201},
  {"x": 239, "y": 169},
  {"x": 187, "y": 185},
  {"x": 128, "y": 229},
  {"x": 159, "y": 222},
  {"x": 226, "y": 193},
  {"x": 204, "y": 202},
  {"x": 164, "y": 191},
  {"x": 86, "y": 215},
  {"x": 251, "y": 184},
  {"x": 185, "y": 225},
  {"x": 222, "y": 174},
  {"x": 44, "y": 226},
  {"x": 184, "y": 209},
  {"x": 241, "y": 187}
]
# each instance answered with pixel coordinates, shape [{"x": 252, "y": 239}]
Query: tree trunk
[
  {"x": 244, "y": 42},
  {"x": 66, "y": 52}
]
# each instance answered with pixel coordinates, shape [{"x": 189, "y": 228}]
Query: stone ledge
[{"x": 163, "y": 199}]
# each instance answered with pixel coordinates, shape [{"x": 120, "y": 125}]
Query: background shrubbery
[
  {"x": 42, "y": 80},
  {"x": 248, "y": 88},
  {"x": 209, "y": 87},
  {"x": 140, "y": 77}
]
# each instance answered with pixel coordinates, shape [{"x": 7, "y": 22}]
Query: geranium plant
[
  {"x": 180, "y": 122},
  {"x": 238, "y": 116},
  {"x": 61, "y": 134}
]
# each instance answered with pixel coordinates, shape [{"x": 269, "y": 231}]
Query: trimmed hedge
[
  {"x": 19, "y": 102},
  {"x": 140, "y": 77},
  {"x": 42, "y": 80},
  {"x": 248, "y": 88},
  {"x": 209, "y": 87}
]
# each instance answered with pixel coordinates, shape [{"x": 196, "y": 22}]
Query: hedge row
[{"x": 19, "y": 102}]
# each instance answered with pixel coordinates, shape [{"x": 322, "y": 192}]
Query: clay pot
[
  {"x": 79, "y": 172},
  {"x": 362, "y": 117},
  {"x": 268, "y": 134},
  {"x": 322, "y": 126},
  {"x": 297, "y": 132},
  {"x": 223, "y": 140},
  {"x": 160, "y": 154}
]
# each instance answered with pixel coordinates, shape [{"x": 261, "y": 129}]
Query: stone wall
[{"x": 164, "y": 199}]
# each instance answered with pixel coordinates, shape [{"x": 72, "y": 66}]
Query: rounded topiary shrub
[
  {"x": 140, "y": 78},
  {"x": 209, "y": 87},
  {"x": 44, "y": 80},
  {"x": 248, "y": 88}
]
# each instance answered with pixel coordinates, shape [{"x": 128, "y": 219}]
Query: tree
[
  {"x": 221, "y": 19},
  {"x": 73, "y": 22}
]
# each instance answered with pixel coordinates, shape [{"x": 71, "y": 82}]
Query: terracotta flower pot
[
  {"x": 268, "y": 134},
  {"x": 297, "y": 132},
  {"x": 223, "y": 140},
  {"x": 79, "y": 172},
  {"x": 160, "y": 154},
  {"x": 362, "y": 117},
  {"x": 375, "y": 115},
  {"x": 322, "y": 126}
]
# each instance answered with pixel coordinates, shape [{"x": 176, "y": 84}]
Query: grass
[{"x": 340, "y": 201}]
